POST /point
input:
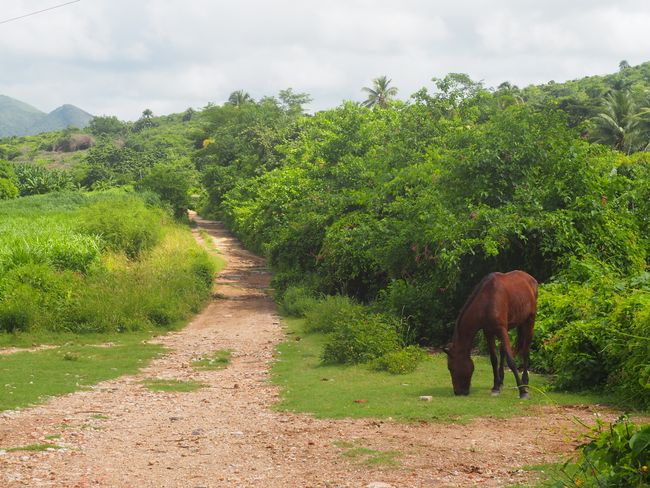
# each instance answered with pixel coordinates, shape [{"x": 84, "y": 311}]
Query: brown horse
[{"x": 498, "y": 303}]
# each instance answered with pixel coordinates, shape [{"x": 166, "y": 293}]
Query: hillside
[
  {"x": 20, "y": 119},
  {"x": 61, "y": 118},
  {"x": 17, "y": 117}
]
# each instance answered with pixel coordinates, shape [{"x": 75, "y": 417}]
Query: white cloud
[{"x": 121, "y": 56}]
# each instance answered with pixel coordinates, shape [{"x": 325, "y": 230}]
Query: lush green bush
[
  {"x": 297, "y": 301},
  {"x": 172, "y": 183},
  {"x": 332, "y": 312},
  {"x": 8, "y": 189},
  {"x": 403, "y": 361},
  {"x": 362, "y": 339},
  {"x": 35, "y": 179},
  {"x": 592, "y": 332},
  {"x": 616, "y": 455},
  {"x": 124, "y": 225}
]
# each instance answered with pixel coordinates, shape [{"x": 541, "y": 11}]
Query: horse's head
[{"x": 461, "y": 368}]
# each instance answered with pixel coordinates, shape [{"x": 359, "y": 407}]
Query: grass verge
[
  {"x": 333, "y": 391},
  {"x": 27, "y": 378}
]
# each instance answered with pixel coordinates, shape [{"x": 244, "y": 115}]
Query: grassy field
[{"x": 332, "y": 391}]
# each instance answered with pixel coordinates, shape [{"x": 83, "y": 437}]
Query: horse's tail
[
  {"x": 524, "y": 339},
  {"x": 520, "y": 342}
]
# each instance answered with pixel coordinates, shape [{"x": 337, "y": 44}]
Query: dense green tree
[
  {"x": 621, "y": 122},
  {"x": 380, "y": 94},
  {"x": 239, "y": 98},
  {"x": 145, "y": 121},
  {"x": 106, "y": 126},
  {"x": 172, "y": 183},
  {"x": 293, "y": 103}
]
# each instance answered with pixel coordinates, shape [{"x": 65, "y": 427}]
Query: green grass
[
  {"x": 333, "y": 391},
  {"x": 155, "y": 384},
  {"x": 218, "y": 360},
  {"x": 367, "y": 456},
  {"x": 27, "y": 378},
  {"x": 34, "y": 447}
]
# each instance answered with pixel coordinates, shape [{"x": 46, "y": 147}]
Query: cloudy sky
[{"x": 119, "y": 57}]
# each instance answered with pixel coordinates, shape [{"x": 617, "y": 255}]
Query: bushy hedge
[
  {"x": 361, "y": 340},
  {"x": 593, "y": 332}
]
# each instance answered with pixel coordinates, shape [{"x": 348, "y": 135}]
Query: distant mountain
[
  {"x": 20, "y": 119},
  {"x": 61, "y": 118},
  {"x": 17, "y": 117}
]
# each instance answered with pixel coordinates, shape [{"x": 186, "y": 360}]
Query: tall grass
[{"x": 96, "y": 263}]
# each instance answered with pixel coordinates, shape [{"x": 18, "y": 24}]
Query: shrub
[
  {"x": 7, "y": 189},
  {"x": 203, "y": 268},
  {"x": 14, "y": 318},
  {"x": 172, "y": 183},
  {"x": 362, "y": 340},
  {"x": 332, "y": 312},
  {"x": 125, "y": 225},
  {"x": 617, "y": 454},
  {"x": 297, "y": 301},
  {"x": 404, "y": 361}
]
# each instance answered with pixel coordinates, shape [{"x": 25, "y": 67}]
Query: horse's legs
[
  {"x": 492, "y": 347},
  {"x": 505, "y": 344},
  {"x": 502, "y": 361},
  {"x": 526, "y": 332}
]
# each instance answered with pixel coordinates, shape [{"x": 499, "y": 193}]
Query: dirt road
[{"x": 120, "y": 434}]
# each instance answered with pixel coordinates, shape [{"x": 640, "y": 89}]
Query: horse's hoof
[
  {"x": 524, "y": 396},
  {"x": 496, "y": 392}
]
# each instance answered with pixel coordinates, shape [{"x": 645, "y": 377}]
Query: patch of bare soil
[
  {"x": 120, "y": 434},
  {"x": 13, "y": 350}
]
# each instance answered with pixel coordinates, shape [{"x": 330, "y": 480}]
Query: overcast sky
[{"x": 118, "y": 57}]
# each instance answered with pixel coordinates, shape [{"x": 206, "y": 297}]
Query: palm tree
[
  {"x": 380, "y": 94},
  {"x": 239, "y": 98},
  {"x": 620, "y": 124}
]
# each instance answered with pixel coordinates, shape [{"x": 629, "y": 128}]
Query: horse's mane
[{"x": 468, "y": 302}]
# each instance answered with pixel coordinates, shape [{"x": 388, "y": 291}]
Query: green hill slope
[
  {"x": 17, "y": 117},
  {"x": 61, "y": 118}
]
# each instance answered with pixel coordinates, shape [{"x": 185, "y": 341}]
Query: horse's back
[{"x": 510, "y": 297}]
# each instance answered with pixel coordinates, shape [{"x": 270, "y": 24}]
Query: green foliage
[
  {"x": 403, "y": 361},
  {"x": 592, "y": 332},
  {"x": 172, "y": 183},
  {"x": 616, "y": 455},
  {"x": 332, "y": 312},
  {"x": 126, "y": 225},
  {"x": 8, "y": 189},
  {"x": 34, "y": 179},
  {"x": 106, "y": 125},
  {"x": 58, "y": 275},
  {"x": 362, "y": 339},
  {"x": 297, "y": 301}
]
